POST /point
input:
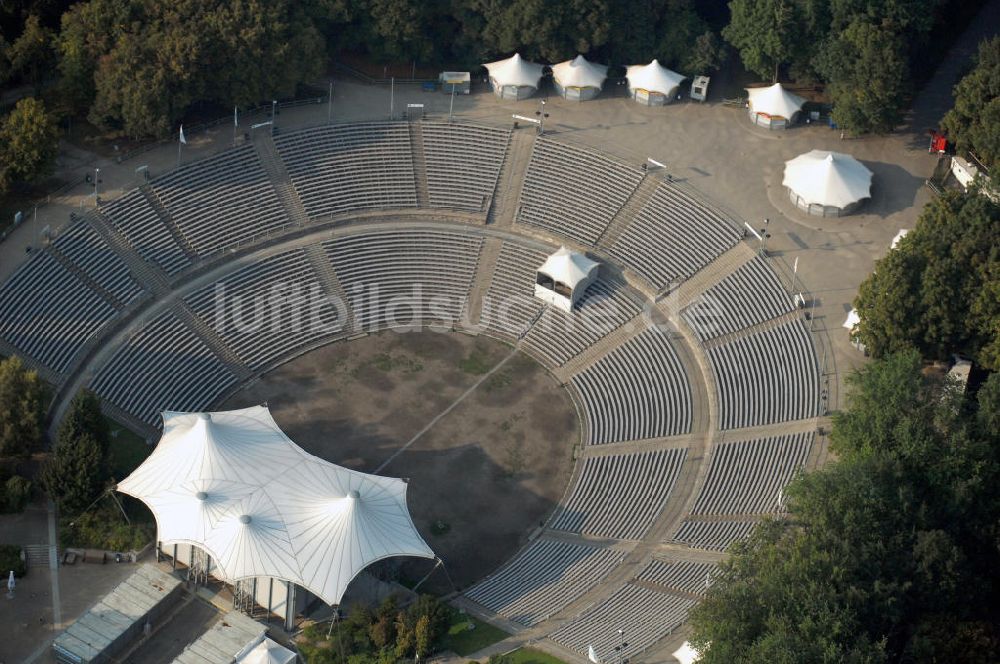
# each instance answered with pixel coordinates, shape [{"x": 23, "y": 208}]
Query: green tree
[
  {"x": 422, "y": 635},
  {"x": 707, "y": 55},
  {"x": 21, "y": 408},
  {"x": 552, "y": 30},
  {"x": 935, "y": 291},
  {"x": 765, "y": 32},
  {"x": 32, "y": 55},
  {"x": 404, "y": 636},
  {"x": 29, "y": 142},
  {"x": 74, "y": 476},
  {"x": 868, "y": 76},
  {"x": 974, "y": 121},
  {"x": 84, "y": 417},
  {"x": 885, "y": 552}
]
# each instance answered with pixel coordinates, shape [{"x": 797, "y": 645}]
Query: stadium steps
[
  {"x": 211, "y": 338},
  {"x": 636, "y": 202},
  {"x": 9, "y": 350},
  {"x": 753, "y": 329},
  {"x": 488, "y": 256},
  {"x": 593, "y": 354},
  {"x": 168, "y": 222},
  {"x": 329, "y": 281},
  {"x": 691, "y": 289},
  {"x": 38, "y": 555},
  {"x": 504, "y": 205},
  {"x": 281, "y": 182},
  {"x": 150, "y": 277},
  {"x": 419, "y": 164},
  {"x": 68, "y": 263}
]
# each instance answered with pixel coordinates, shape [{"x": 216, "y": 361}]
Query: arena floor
[{"x": 508, "y": 443}]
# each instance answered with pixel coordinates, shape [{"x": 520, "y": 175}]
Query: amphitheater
[{"x": 696, "y": 379}]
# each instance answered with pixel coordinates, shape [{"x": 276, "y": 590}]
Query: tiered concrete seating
[
  {"x": 573, "y": 191},
  {"x": 750, "y": 295},
  {"x": 50, "y": 314},
  {"x": 338, "y": 168},
  {"x": 270, "y": 310},
  {"x": 639, "y": 390},
  {"x": 673, "y": 237},
  {"x": 463, "y": 163},
  {"x": 221, "y": 202},
  {"x": 411, "y": 279},
  {"x": 510, "y": 305},
  {"x": 81, "y": 244},
  {"x": 678, "y": 575},
  {"x": 543, "y": 578},
  {"x": 135, "y": 219},
  {"x": 712, "y": 535},
  {"x": 620, "y": 496},
  {"x": 164, "y": 366},
  {"x": 768, "y": 377}
]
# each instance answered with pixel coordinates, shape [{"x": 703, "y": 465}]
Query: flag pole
[{"x": 236, "y": 124}]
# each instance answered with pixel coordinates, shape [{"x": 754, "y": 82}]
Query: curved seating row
[
  {"x": 620, "y": 496},
  {"x": 638, "y": 390},
  {"x": 136, "y": 220},
  {"x": 462, "y": 163},
  {"x": 82, "y": 245}
]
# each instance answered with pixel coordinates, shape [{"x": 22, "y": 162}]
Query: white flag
[
  {"x": 183, "y": 140},
  {"x": 592, "y": 655},
  {"x": 796, "y": 268},
  {"x": 236, "y": 118}
]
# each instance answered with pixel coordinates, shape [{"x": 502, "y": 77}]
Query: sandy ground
[{"x": 491, "y": 469}]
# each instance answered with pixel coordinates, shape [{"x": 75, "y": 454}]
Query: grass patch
[
  {"x": 498, "y": 381},
  {"x": 464, "y": 641},
  {"x": 477, "y": 362},
  {"x": 387, "y": 363},
  {"x": 128, "y": 450},
  {"x": 531, "y": 656}
]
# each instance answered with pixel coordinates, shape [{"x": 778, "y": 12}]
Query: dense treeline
[
  {"x": 888, "y": 554},
  {"x": 974, "y": 123},
  {"x": 938, "y": 292}
]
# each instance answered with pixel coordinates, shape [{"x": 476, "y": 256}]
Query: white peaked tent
[
  {"x": 852, "y": 320},
  {"x": 268, "y": 652},
  {"x": 564, "y": 277},
  {"x": 686, "y": 654},
  {"x": 234, "y": 485},
  {"x": 773, "y": 107},
  {"x": 578, "y": 79},
  {"x": 828, "y": 184},
  {"x": 899, "y": 236},
  {"x": 652, "y": 84},
  {"x": 514, "y": 78}
]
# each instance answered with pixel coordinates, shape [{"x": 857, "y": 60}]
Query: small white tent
[
  {"x": 773, "y": 107},
  {"x": 899, "y": 236},
  {"x": 578, "y": 79},
  {"x": 235, "y": 486},
  {"x": 828, "y": 184},
  {"x": 564, "y": 277},
  {"x": 652, "y": 84},
  {"x": 514, "y": 78},
  {"x": 268, "y": 652},
  {"x": 852, "y": 320},
  {"x": 686, "y": 654}
]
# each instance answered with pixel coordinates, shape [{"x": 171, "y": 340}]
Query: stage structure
[
  {"x": 564, "y": 277},
  {"x": 241, "y": 502}
]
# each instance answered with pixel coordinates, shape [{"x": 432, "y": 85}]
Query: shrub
[
  {"x": 16, "y": 492},
  {"x": 10, "y": 559}
]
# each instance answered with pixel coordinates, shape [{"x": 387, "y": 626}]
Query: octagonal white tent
[
  {"x": 828, "y": 184},
  {"x": 234, "y": 485},
  {"x": 564, "y": 277},
  {"x": 514, "y": 78},
  {"x": 579, "y": 79},
  {"x": 773, "y": 107},
  {"x": 652, "y": 84}
]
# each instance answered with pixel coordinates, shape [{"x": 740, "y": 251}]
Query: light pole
[
  {"x": 451, "y": 106},
  {"x": 274, "y": 106},
  {"x": 621, "y": 645},
  {"x": 329, "y": 104},
  {"x": 541, "y": 115},
  {"x": 97, "y": 175}
]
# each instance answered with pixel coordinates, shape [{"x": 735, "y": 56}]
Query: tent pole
[{"x": 428, "y": 575}]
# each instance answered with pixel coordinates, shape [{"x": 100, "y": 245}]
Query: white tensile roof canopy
[
  {"x": 268, "y": 652},
  {"x": 820, "y": 177},
  {"x": 653, "y": 77},
  {"x": 233, "y": 484},
  {"x": 579, "y": 73},
  {"x": 515, "y": 71},
  {"x": 775, "y": 100},
  {"x": 568, "y": 267}
]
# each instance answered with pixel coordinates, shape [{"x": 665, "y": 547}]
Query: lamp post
[
  {"x": 274, "y": 107},
  {"x": 451, "y": 106},
  {"x": 329, "y": 104},
  {"x": 541, "y": 115},
  {"x": 97, "y": 175},
  {"x": 621, "y": 646}
]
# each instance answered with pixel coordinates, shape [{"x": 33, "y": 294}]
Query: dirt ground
[{"x": 480, "y": 479}]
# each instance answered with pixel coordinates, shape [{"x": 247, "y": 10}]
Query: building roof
[
  {"x": 568, "y": 267},
  {"x": 226, "y": 642},
  {"x": 653, "y": 77},
  {"x": 515, "y": 71},
  {"x": 579, "y": 73},
  {"x": 835, "y": 179},
  {"x": 233, "y": 484},
  {"x": 775, "y": 100}
]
